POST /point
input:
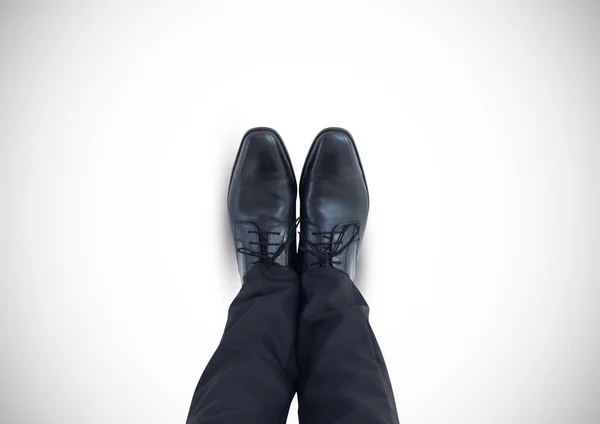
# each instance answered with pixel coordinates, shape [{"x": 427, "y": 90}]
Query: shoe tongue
[
  {"x": 345, "y": 232},
  {"x": 263, "y": 226},
  {"x": 263, "y": 239},
  {"x": 268, "y": 233},
  {"x": 336, "y": 239}
]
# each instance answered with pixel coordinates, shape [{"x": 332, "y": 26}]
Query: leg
[
  {"x": 343, "y": 377},
  {"x": 250, "y": 378}
]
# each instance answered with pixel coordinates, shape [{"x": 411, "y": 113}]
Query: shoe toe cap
[
  {"x": 262, "y": 156},
  {"x": 334, "y": 156}
]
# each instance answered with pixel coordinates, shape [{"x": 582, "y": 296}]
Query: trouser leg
[
  {"x": 343, "y": 377},
  {"x": 251, "y": 377}
]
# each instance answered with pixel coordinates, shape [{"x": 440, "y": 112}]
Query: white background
[{"x": 478, "y": 126}]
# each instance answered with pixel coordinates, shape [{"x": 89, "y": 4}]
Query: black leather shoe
[
  {"x": 334, "y": 203},
  {"x": 262, "y": 201}
]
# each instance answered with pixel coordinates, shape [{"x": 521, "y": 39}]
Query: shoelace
[
  {"x": 263, "y": 236},
  {"x": 327, "y": 250}
]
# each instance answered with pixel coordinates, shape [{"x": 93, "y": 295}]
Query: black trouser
[{"x": 283, "y": 336}]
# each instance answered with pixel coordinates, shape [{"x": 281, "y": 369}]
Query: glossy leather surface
[
  {"x": 262, "y": 198},
  {"x": 333, "y": 198}
]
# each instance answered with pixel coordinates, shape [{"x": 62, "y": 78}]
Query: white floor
[{"x": 479, "y": 132}]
